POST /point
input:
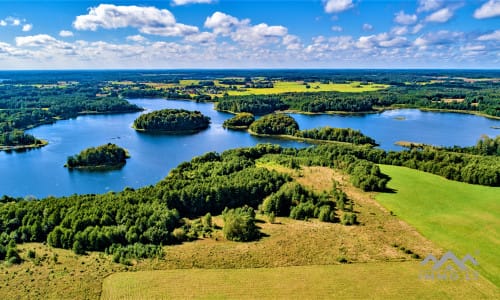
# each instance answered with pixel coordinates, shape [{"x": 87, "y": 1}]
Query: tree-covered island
[
  {"x": 286, "y": 126},
  {"x": 172, "y": 121},
  {"x": 18, "y": 140},
  {"x": 105, "y": 156},
  {"x": 239, "y": 121}
]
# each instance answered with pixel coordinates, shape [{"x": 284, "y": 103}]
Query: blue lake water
[{"x": 40, "y": 172}]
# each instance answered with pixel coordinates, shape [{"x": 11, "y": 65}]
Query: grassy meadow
[
  {"x": 349, "y": 281},
  {"x": 460, "y": 217}
]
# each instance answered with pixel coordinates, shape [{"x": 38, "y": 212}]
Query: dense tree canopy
[
  {"x": 172, "y": 120},
  {"x": 241, "y": 120},
  {"x": 109, "y": 155},
  {"x": 275, "y": 124}
]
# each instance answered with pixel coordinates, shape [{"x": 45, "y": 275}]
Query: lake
[{"x": 40, "y": 172}]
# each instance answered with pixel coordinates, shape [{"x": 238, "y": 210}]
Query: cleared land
[
  {"x": 460, "y": 217},
  {"x": 352, "y": 281},
  {"x": 297, "y": 86}
]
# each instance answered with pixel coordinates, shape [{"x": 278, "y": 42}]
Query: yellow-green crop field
[{"x": 297, "y": 86}]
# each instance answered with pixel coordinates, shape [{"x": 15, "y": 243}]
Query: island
[
  {"x": 239, "y": 121},
  {"x": 101, "y": 157},
  {"x": 274, "y": 124},
  {"x": 18, "y": 140},
  {"x": 282, "y": 125},
  {"x": 171, "y": 121}
]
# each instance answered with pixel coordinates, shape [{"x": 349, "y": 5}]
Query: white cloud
[
  {"x": 292, "y": 42},
  {"x": 136, "y": 38},
  {"x": 337, "y": 28},
  {"x": 489, "y": 9},
  {"x": 148, "y": 20},
  {"x": 383, "y": 40},
  {"x": 65, "y": 33},
  {"x": 429, "y": 5},
  {"x": 3, "y": 23},
  {"x": 15, "y": 22},
  {"x": 367, "y": 27},
  {"x": 242, "y": 31},
  {"x": 404, "y": 19},
  {"x": 222, "y": 23},
  {"x": 27, "y": 27},
  {"x": 417, "y": 28},
  {"x": 440, "y": 16},
  {"x": 494, "y": 36},
  {"x": 442, "y": 37},
  {"x": 34, "y": 40},
  {"x": 399, "y": 30},
  {"x": 337, "y": 6},
  {"x": 184, "y": 2},
  {"x": 201, "y": 38}
]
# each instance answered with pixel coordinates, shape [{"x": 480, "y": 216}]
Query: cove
[{"x": 40, "y": 172}]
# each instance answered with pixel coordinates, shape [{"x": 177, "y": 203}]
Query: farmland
[{"x": 459, "y": 217}]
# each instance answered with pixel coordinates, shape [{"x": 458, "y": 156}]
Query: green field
[
  {"x": 297, "y": 86},
  {"x": 396, "y": 280},
  {"x": 459, "y": 217}
]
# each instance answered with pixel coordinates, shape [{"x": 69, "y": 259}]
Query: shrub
[{"x": 239, "y": 224}]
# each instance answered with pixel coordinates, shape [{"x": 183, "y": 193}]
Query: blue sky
[{"x": 167, "y": 34}]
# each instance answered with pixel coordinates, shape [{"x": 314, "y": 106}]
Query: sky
[{"x": 227, "y": 34}]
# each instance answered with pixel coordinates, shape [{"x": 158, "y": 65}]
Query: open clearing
[
  {"x": 352, "y": 281},
  {"x": 296, "y": 86},
  {"x": 460, "y": 217}
]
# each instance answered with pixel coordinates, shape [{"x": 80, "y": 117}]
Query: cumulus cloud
[
  {"x": 489, "y": 9},
  {"x": 494, "y": 36},
  {"x": 380, "y": 40},
  {"x": 404, "y": 19},
  {"x": 184, "y": 2},
  {"x": 442, "y": 37},
  {"x": 367, "y": 27},
  {"x": 337, "y": 6},
  {"x": 399, "y": 30},
  {"x": 201, "y": 38},
  {"x": 429, "y": 5},
  {"x": 440, "y": 16},
  {"x": 65, "y": 33},
  {"x": 27, "y": 27},
  {"x": 3, "y": 23},
  {"x": 148, "y": 20},
  {"x": 136, "y": 38},
  {"x": 292, "y": 42},
  {"x": 35, "y": 40},
  {"x": 222, "y": 23},
  {"x": 242, "y": 31},
  {"x": 337, "y": 28}
]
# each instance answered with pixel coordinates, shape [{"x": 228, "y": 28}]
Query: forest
[
  {"x": 214, "y": 184},
  {"x": 24, "y": 106},
  {"x": 172, "y": 120},
  {"x": 109, "y": 155},
  {"x": 33, "y": 98}
]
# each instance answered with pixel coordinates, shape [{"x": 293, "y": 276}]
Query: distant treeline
[
  {"x": 26, "y": 106},
  {"x": 462, "y": 98}
]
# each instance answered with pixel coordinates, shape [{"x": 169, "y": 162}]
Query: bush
[
  {"x": 349, "y": 219},
  {"x": 239, "y": 224}
]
